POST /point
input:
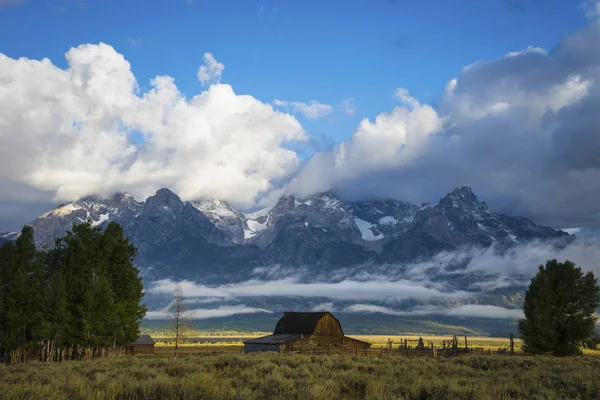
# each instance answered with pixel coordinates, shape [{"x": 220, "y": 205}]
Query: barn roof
[
  {"x": 273, "y": 339},
  {"x": 356, "y": 340},
  {"x": 298, "y": 323},
  {"x": 144, "y": 339}
]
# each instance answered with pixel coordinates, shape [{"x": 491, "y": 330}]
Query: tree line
[{"x": 71, "y": 301}]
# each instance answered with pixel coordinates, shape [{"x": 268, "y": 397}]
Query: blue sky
[
  {"x": 518, "y": 126},
  {"x": 296, "y": 50}
]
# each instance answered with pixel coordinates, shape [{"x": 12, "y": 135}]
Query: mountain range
[{"x": 211, "y": 241}]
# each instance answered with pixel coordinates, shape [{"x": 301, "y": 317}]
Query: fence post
[
  {"x": 512, "y": 345},
  {"x": 444, "y": 344},
  {"x": 466, "y": 344},
  {"x": 456, "y": 345},
  {"x": 433, "y": 351}
]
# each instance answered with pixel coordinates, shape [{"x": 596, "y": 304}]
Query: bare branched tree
[{"x": 179, "y": 323}]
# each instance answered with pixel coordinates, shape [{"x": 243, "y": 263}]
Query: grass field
[
  {"x": 484, "y": 342},
  {"x": 294, "y": 376},
  {"x": 492, "y": 343},
  {"x": 375, "y": 340}
]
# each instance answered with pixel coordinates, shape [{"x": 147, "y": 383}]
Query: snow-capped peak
[
  {"x": 327, "y": 202},
  {"x": 62, "y": 210},
  {"x": 217, "y": 207}
]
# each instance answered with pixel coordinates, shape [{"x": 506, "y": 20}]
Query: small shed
[
  {"x": 298, "y": 330},
  {"x": 143, "y": 345}
]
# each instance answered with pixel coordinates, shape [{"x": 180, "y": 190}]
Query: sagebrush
[{"x": 286, "y": 376}]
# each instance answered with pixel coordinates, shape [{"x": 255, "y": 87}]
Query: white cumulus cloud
[
  {"x": 211, "y": 71},
  {"x": 393, "y": 140},
  {"x": 67, "y": 133}
]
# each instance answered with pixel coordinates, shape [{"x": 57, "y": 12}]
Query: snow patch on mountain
[
  {"x": 257, "y": 214},
  {"x": 254, "y": 227},
  {"x": 388, "y": 220},
  {"x": 366, "y": 230},
  {"x": 103, "y": 219}
]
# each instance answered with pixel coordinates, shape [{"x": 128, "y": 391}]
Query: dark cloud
[
  {"x": 14, "y": 215},
  {"x": 21, "y": 204},
  {"x": 522, "y": 130}
]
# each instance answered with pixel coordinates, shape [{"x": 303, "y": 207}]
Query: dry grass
[
  {"x": 376, "y": 340},
  {"x": 198, "y": 349},
  {"x": 287, "y": 376},
  {"x": 492, "y": 343}
]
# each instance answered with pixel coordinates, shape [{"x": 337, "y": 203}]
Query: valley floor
[
  {"x": 375, "y": 340},
  {"x": 294, "y": 376}
]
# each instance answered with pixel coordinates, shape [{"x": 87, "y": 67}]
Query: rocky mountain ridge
[{"x": 212, "y": 240}]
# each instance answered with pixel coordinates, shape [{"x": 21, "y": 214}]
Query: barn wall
[
  {"x": 349, "y": 342},
  {"x": 254, "y": 348},
  {"x": 292, "y": 345},
  {"x": 325, "y": 341},
  {"x": 328, "y": 326},
  {"x": 143, "y": 349}
]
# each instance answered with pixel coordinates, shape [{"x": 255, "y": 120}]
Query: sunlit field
[
  {"x": 472, "y": 341},
  {"x": 234, "y": 344},
  {"x": 202, "y": 341}
]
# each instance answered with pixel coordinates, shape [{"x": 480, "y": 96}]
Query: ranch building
[
  {"x": 301, "y": 330},
  {"x": 143, "y": 345}
]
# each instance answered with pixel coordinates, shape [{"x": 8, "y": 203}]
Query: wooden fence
[{"x": 449, "y": 348}]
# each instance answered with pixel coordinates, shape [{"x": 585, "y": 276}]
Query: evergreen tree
[
  {"x": 84, "y": 293},
  {"x": 126, "y": 285},
  {"x": 81, "y": 264},
  {"x": 56, "y": 321},
  {"x": 8, "y": 260},
  {"x": 559, "y": 310},
  {"x": 22, "y": 296}
]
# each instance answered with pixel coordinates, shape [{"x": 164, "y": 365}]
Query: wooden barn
[
  {"x": 302, "y": 330},
  {"x": 143, "y": 345}
]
